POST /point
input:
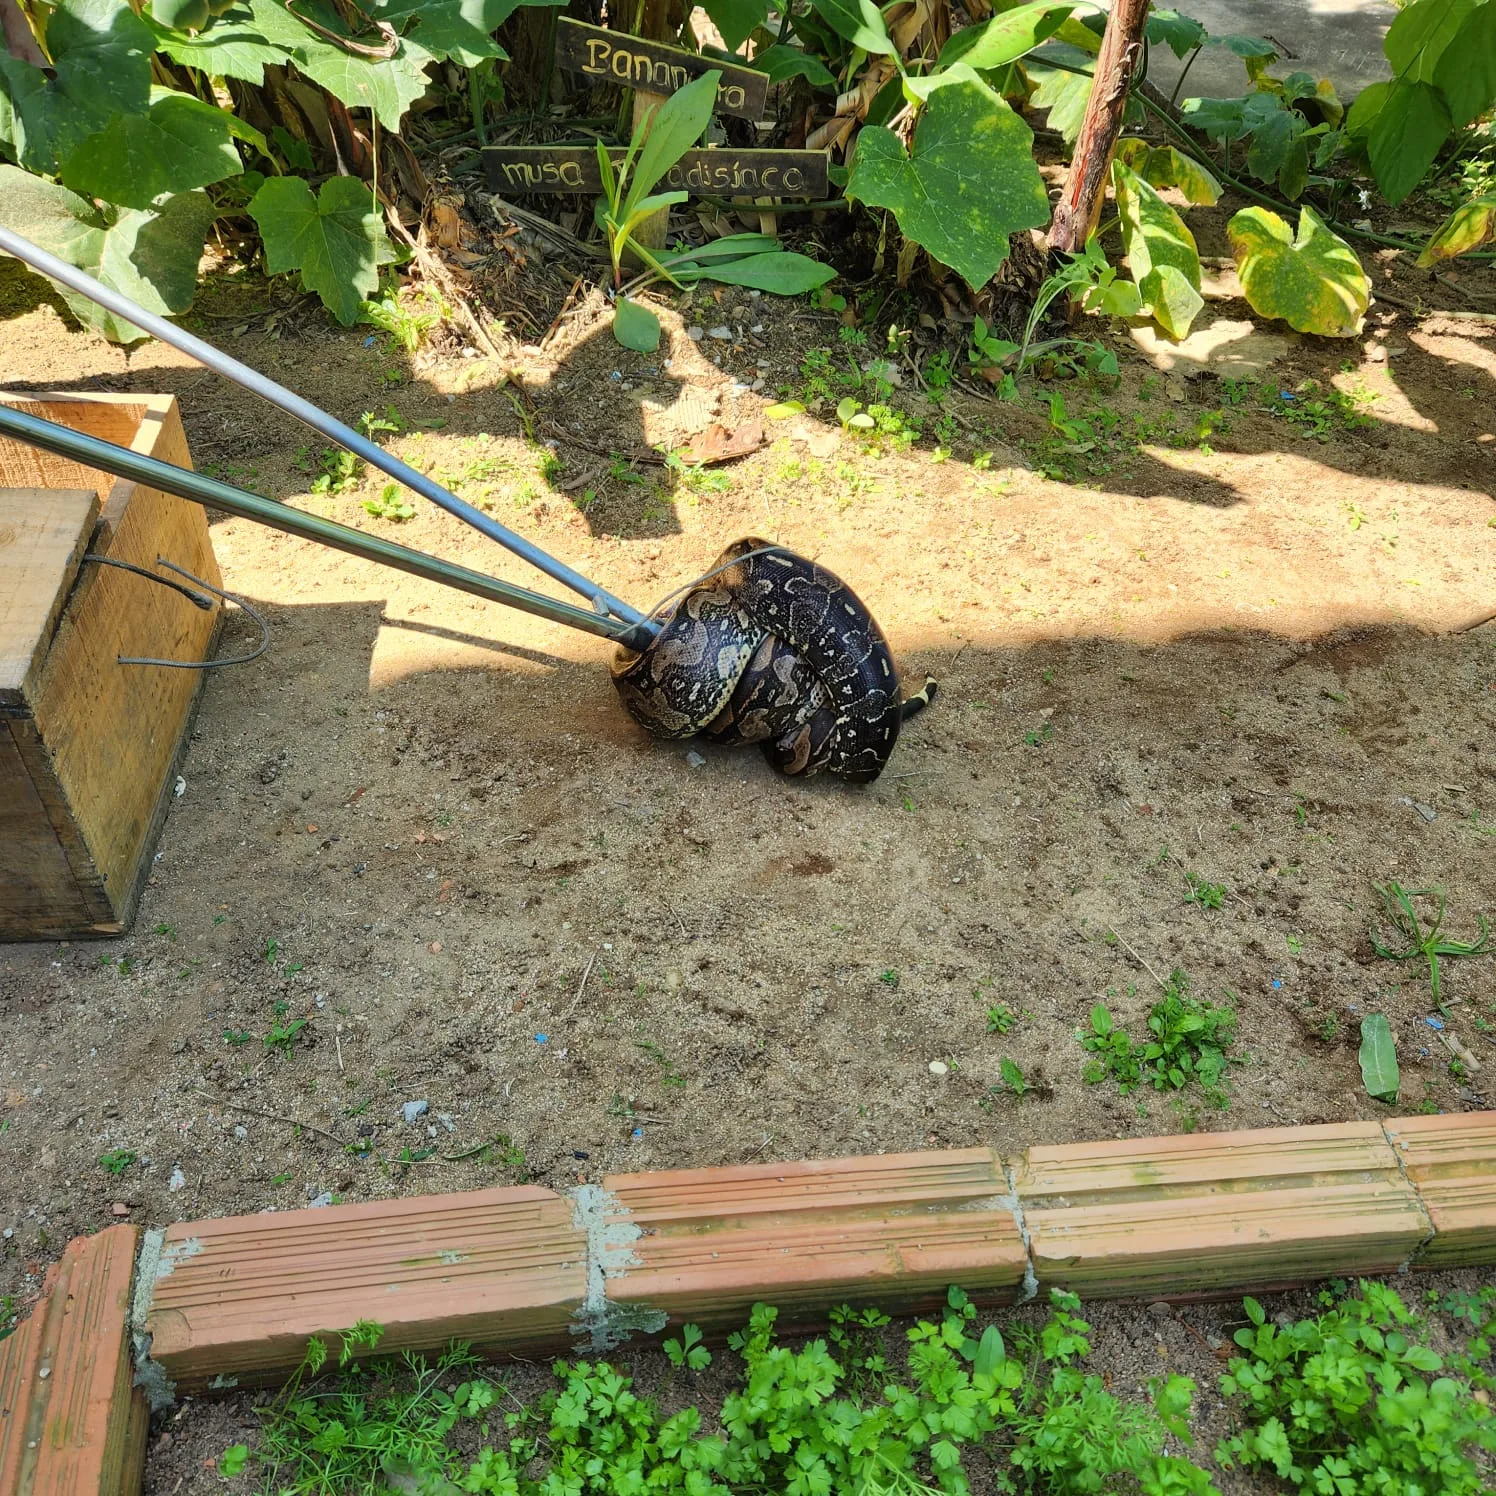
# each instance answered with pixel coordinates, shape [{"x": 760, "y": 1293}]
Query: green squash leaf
[
  {"x": 101, "y": 54},
  {"x": 1007, "y": 36},
  {"x": 1248, "y": 48},
  {"x": 179, "y": 143},
  {"x": 1379, "y": 1072},
  {"x": 1465, "y": 73},
  {"x": 1163, "y": 166},
  {"x": 782, "y": 63},
  {"x": 1161, "y": 253},
  {"x": 737, "y": 20},
  {"x": 1410, "y": 128},
  {"x": 101, "y": 51},
  {"x": 1180, "y": 34},
  {"x": 968, "y": 183},
  {"x": 1279, "y": 152},
  {"x": 230, "y": 46},
  {"x": 859, "y": 22},
  {"x": 457, "y": 29},
  {"x": 1313, "y": 282},
  {"x": 1062, "y": 92},
  {"x": 336, "y": 239},
  {"x": 386, "y": 85},
  {"x": 1468, "y": 227},
  {"x": 635, "y": 326},
  {"x": 150, "y": 257}
]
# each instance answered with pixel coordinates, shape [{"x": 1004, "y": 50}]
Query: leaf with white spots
[{"x": 966, "y": 185}]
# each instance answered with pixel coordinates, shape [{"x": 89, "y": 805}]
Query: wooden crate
[{"x": 88, "y": 746}]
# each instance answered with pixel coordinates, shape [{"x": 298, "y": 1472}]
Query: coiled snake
[{"x": 771, "y": 648}]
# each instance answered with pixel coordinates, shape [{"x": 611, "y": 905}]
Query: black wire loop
[{"x": 198, "y": 600}]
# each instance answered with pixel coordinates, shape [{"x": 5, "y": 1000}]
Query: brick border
[{"x": 232, "y": 1301}]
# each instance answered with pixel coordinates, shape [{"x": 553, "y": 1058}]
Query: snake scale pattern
[{"x": 772, "y": 649}]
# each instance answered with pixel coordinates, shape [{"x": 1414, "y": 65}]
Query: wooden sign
[
  {"x": 717, "y": 172},
  {"x": 610, "y": 57}
]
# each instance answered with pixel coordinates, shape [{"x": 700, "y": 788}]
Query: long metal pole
[
  {"x": 319, "y": 420},
  {"x": 93, "y": 452}
]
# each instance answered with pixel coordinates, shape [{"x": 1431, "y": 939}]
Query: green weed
[
  {"x": 117, "y": 1160},
  {"x": 391, "y": 504},
  {"x": 1350, "y": 1403},
  {"x": 1206, "y": 895},
  {"x": 1187, "y": 1041},
  {"x": 1402, "y": 915},
  {"x": 803, "y": 1422},
  {"x": 1000, "y": 1018}
]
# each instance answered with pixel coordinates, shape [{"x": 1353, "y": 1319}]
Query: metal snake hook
[{"x": 604, "y": 604}]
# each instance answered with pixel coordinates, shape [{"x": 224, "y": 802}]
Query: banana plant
[{"x": 629, "y": 197}]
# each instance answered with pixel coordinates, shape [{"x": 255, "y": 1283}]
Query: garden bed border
[{"x": 523, "y": 1270}]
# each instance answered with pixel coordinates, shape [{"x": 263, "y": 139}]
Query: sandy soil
[{"x": 423, "y": 825}]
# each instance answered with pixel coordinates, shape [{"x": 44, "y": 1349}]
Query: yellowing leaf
[
  {"x": 1161, "y": 253},
  {"x": 1313, "y": 282},
  {"x": 1163, "y": 166},
  {"x": 1467, "y": 228}
]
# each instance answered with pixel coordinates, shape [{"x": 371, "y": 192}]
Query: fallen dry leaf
[{"x": 718, "y": 444}]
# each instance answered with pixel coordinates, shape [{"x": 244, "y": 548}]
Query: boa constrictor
[{"x": 771, "y": 648}]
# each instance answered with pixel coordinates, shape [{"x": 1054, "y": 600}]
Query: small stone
[
  {"x": 241, "y": 1131},
  {"x": 435, "y": 947},
  {"x": 1161, "y": 1310},
  {"x": 119, "y": 1210},
  {"x": 1426, "y": 811},
  {"x": 413, "y": 1109},
  {"x": 178, "y": 1180},
  {"x": 721, "y": 334},
  {"x": 696, "y": 334},
  {"x": 939, "y": 1067},
  {"x": 694, "y": 760},
  {"x": 431, "y": 1129},
  {"x": 445, "y": 1118},
  {"x": 320, "y": 1202}
]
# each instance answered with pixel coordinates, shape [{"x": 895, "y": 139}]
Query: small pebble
[
  {"x": 119, "y": 1210},
  {"x": 694, "y": 760},
  {"x": 320, "y": 1202},
  {"x": 178, "y": 1181},
  {"x": 721, "y": 334},
  {"x": 240, "y": 1131},
  {"x": 1161, "y": 1310},
  {"x": 938, "y": 1067},
  {"x": 413, "y": 1109},
  {"x": 696, "y": 334}
]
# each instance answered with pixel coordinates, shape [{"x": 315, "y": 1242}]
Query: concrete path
[{"x": 1336, "y": 39}]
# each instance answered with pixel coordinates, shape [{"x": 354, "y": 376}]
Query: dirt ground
[{"x": 1194, "y": 636}]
